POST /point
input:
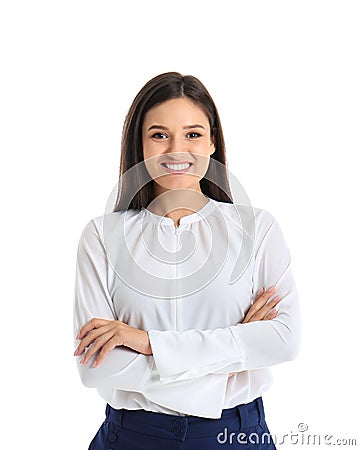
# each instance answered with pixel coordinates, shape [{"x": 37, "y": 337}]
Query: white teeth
[{"x": 177, "y": 166}]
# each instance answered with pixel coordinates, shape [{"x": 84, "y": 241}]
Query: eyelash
[{"x": 156, "y": 135}]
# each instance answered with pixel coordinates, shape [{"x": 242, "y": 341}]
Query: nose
[{"x": 177, "y": 145}]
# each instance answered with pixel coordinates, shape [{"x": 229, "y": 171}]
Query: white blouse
[{"x": 190, "y": 287}]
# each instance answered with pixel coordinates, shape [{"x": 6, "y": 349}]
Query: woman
[{"x": 183, "y": 298}]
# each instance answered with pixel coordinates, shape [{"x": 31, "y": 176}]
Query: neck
[{"x": 177, "y": 203}]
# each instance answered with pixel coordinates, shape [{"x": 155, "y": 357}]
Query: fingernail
[
  {"x": 260, "y": 291},
  {"x": 271, "y": 288},
  {"x": 95, "y": 363}
]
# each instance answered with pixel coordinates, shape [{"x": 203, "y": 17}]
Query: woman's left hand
[
  {"x": 261, "y": 309},
  {"x": 104, "y": 335}
]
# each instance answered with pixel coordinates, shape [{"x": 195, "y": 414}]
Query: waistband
[{"x": 169, "y": 426}]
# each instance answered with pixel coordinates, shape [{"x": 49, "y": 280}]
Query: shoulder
[
  {"x": 98, "y": 226},
  {"x": 250, "y": 216}
]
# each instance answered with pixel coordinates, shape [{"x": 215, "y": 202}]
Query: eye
[
  {"x": 159, "y": 136},
  {"x": 193, "y": 135}
]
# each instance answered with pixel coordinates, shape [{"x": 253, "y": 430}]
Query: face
[{"x": 177, "y": 145}]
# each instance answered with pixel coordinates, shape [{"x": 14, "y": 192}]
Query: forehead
[{"x": 176, "y": 111}]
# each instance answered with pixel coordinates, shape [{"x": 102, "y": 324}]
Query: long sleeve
[
  {"x": 193, "y": 353},
  {"x": 122, "y": 368}
]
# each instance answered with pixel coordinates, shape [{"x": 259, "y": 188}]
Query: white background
[{"x": 285, "y": 77}]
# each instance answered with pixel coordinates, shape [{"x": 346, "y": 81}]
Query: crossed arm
[
  {"x": 99, "y": 336},
  {"x": 266, "y": 336}
]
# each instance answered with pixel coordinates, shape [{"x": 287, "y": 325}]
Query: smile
[{"x": 177, "y": 168}]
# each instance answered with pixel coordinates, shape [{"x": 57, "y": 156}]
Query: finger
[
  {"x": 263, "y": 298},
  {"x": 87, "y": 341},
  {"x": 96, "y": 346},
  {"x": 91, "y": 336},
  {"x": 272, "y": 314},
  {"x": 110, "y": 345},
  {"x": 258, "y": 310},
  {"x": 260, "y": 315},
  {"x": 92, "y": 324},
  {"x": 255, "y": 307},
  {"x": 259, "y": 294}
]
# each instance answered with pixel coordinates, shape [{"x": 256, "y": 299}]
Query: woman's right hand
[{"x": 261, "y": 308}]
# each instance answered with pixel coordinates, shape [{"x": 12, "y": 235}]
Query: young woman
[{"x": 183, "y": 298}]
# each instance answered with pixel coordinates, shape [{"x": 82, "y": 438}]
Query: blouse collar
[{"x": 200, "y": 214}]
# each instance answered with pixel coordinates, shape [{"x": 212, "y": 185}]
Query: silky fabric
[
  {"x": 189, "y": 287},
  {"x": 242, "y": 426}
]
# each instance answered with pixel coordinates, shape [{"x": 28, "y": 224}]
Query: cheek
[
  {"x": 151, "y": 155},
  {"x": 152, "y": 148},
  {"x": 148, "y": 150},
  {"x": 204, "y": 148}
]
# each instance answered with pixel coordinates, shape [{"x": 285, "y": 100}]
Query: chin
[
  {"x": 186, "y": 182},
  {"x": 174, "y": 187}
]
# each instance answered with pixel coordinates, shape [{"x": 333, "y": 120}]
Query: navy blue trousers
[{"x": 241, "y": 427}]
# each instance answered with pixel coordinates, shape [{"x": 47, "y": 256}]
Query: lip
[{"x": 176, "y": 171}]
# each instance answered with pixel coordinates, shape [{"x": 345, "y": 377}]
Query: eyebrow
[{"x": 187, "y": 127}]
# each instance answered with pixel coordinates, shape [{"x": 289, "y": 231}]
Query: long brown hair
[{"x": 158, "y": 90}]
